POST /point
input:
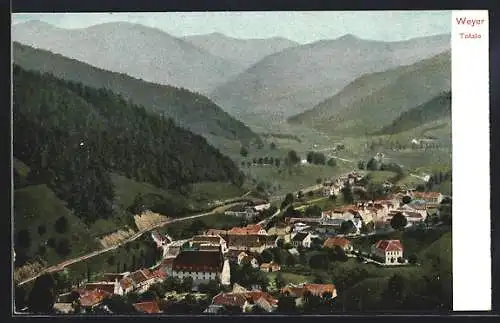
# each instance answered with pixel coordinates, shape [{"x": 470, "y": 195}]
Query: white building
[
  {"x": 201, "y": 266},
  {"x": 389, "y": 251}
]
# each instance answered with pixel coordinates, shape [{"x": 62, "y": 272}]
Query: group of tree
[
  {"x": 72, "y": 136},
  {"x": 248, "y": 277}
]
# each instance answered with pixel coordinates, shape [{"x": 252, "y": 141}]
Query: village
[{"x": 241, "y": 270}]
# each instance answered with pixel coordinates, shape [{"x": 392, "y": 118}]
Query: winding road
[{"x": 62, "y": 265}]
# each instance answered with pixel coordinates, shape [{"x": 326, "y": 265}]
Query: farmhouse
[
  {"x": 338, "y": 241},
  {"x": 388, "y": 251}
]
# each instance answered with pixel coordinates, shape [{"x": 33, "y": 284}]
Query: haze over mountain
[
  {"x": 296, "y": 79},
  {"x": 139, "y": 51},
  {"x": 244, "y": 52},
  {"x": 190, "y": 110},
  {"x": 375, "y": 100}
]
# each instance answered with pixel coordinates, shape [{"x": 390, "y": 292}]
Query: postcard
[{"x": 250, "y": 163}]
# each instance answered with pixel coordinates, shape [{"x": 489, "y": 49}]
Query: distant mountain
[
  {"x": 190, "y": 110},
  {"x": 437, "y": 108},
  {"x": 244, "y": 52},
  {"x": 139, "y": 51},
  {"x": 373, "y": 101},
  {"x": 296, "y": 79}
]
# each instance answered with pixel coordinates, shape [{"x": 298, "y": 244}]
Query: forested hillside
[
  {"x": 435, "y": 109},
  {"x": 72, "y": 136},
  {"x": 189, "y": 110}
]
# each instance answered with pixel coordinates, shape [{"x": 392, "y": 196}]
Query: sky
[{"x": 300, "y": 26}]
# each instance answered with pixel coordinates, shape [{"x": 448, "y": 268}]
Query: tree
[
  {"x": 277, "y": 162},
  {"x": 61, "y": 225},
  {"x": 347, "y": 227},
  {"x": 310, "y": 157},
  {"x": 42, "y": 297},
  {"x": 280, "y": 243},
  {"x": 23, "y": 239},
  {"x": 300, "y": 195},
  {"x": 293, "y": 157},
  {"x": 41, "y": 229},
  {"x": 361, "y": 165},
  {"x": 372, "y": 165},
  {"x": 406, "y": 199},
  {"x": 318, "y": 180},
  {"x": 244, "y": 151},
  {"x": 313, "y": 211},
  {"x": 187, "y": 284},
  {"x": 399, "y": 221},
  {"x": 347, "y": 193},
  {"x": 289, "y": 198},
  {"x": 280, "y": 281},
  {"x": 272, "y": 146},
  {"x": 267, "y": 256},
  {"x": 332, "y": 162},
  {"x": 393, "y": 296}
]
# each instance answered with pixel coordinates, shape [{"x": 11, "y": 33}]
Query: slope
[
  {"x": 244, "y": 52},
  {"x": 192, "y": 111},
  {"x": 294, "y": 80},
  {"x": 143, "y": 52},
  {"x": 384, "y": 95},
  {"x": 437, "y": 108}
]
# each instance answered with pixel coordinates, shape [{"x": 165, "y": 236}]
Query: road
[{"x": 69, "y": 262}]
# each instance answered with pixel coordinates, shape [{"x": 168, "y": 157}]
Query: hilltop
[
  {"x": 385, "y": 95},
  {"x": 244, "y": 52},
  {"x": 294, "y": 80},
  {"x": 136, "y": 50}
]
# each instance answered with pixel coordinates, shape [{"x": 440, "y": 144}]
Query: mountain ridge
[{"x": 190, "y": 110}]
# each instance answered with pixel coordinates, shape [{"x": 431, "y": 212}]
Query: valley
[{"x": 274, "y": 170}]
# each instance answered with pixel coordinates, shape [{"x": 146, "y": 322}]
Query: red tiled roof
[
  {"x": 93, "y": 297},
  {"x": 110, "y": 277},
  {"x": 107, "y": 287},
  {"x": 249, "y": 229},
  {"x": 229, "y": 299},
  {"x": 336, "y": 241},
  {"x": 140, "y": 276},
  {"x": 147, "y": 307},
  {"x": 239, "y": 299},
  {"x": 126, "y": 283},
  {"x": 389, "y": 245},
  {"x": 206, "y": 261},
  {"x": 426, "y": 194},
  {"x": 167, "y": 261},
  {"x": 314, "y": 289}
]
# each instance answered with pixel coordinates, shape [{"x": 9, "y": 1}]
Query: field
[
  {"x": 300, "y": 176},
  {"x": 30, "y": 204}
]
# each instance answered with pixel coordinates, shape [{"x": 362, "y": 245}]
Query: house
[
  {"x": 262, "y": 207},
  {"x": 142, "y": 279},
  {"x": 389, "y": 251},
  {"x": 173, "y": 248},
  {"x": 340, "y": 242},
  {"x": 270, "y": 267},
  {"x": 243, "y": 258},
  {"x": 320, "y": 290},
  {"x": 249, "y": 213},
  {"x": 159, "y": 239},
  {"x": 204, "y": 241},
  {"x": 90, "y": 299},
  {"x": 147, "y": 307},
  {"x": 109, "y": 287},
  {"x": 301, "y": 239},
  {"x": 250, "y": 242},
  {"x": 201, "y": 266},
  {"x": 246, "y": 300},
  {"x": 431, "y": 197},
  {"x": 248, "y": 230},
  {"x": 166, "y": 265}
]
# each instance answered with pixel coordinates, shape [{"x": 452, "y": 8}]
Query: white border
[{"x": 471, "y": 180}]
